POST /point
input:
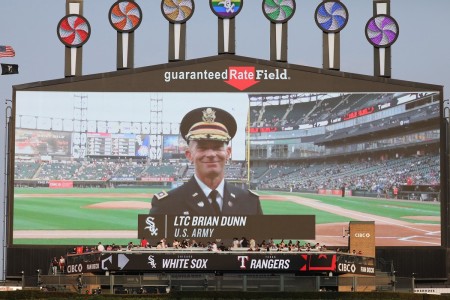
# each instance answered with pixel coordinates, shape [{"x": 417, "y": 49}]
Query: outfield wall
[{"x": 428, "y": 265}]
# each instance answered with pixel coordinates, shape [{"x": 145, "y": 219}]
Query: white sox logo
[
  {"x": 151, "y": 261},
  {"x": 151, "y": 226}
]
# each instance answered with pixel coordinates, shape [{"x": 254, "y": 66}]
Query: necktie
[{"x": 215, "y": 205}]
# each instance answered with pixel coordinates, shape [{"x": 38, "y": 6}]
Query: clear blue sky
[{"x": 420, "y": 53}]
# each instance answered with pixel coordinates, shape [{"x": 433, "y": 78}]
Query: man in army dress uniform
[{"x": 208, "y": 131}]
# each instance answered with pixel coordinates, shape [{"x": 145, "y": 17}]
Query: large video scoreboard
[{"x": 377, "y": 136}]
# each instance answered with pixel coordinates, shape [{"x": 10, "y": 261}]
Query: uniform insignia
[
  {"x": 161, "y": 195},
  {"x": 232, "y": 195},
  {"x": 209, "y": 115},
  {"x": 230, "y": 204},
  {"x": 195, "y": 195},
  {"x": 252, "y": 192},
  {"x": 201, "y": 204}
]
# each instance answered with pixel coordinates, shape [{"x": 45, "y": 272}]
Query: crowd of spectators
[
  {"x": 57, "y": 170},
  {"x": 233, "y": 171},
  {"x": 25, "y": 169},
  {"x": 369, "y": 175},
  {"x": 313, "y": 111},
  {"x": 237, "y": 244},
  {"x": 105, "y": 169},
  {"x": 95, "y": 169}
]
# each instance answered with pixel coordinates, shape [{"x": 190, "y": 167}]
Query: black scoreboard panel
[
  {"x": 110, "y": 144},
  {"x": 306, "y": 263}
]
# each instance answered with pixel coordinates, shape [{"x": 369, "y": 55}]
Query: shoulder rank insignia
[
  {"x": 161, "y": 195},
  {"x": 252, "y": 192}
]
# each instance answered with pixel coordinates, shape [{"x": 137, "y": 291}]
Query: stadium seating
[
  {"x": 95, "y": 170},
  {"x": 25, "y": 170},
  {"x": 357, "y": 175},
  {"x": 57, "y": 170}
]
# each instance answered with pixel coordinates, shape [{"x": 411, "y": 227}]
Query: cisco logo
[{"x": 362, "y": 235}]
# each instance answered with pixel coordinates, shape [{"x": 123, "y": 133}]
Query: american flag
[{"x": 7, "y": 51}]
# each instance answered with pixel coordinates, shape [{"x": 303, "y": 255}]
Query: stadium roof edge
[{"x": 307, "y": 79}]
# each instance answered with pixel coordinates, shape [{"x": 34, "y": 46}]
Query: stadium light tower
[{"x": 80, "y": 107}]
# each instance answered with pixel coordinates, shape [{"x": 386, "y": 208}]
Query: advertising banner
[
  {"x": 60, "y": 184},
  {"x": 241, "y": 261}
]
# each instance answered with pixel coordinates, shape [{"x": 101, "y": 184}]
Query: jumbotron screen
[{"x": 84, "y": 174}]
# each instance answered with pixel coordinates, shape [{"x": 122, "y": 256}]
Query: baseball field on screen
[{"x": 86, "y": 216}]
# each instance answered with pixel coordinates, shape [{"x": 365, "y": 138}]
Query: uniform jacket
[{"x": 189, "y": 199}]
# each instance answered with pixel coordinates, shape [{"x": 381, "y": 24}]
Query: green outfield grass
[
  {"x": 289, "y": 208},
  {"x": 63, "y": 213},
  {"x": 70, "y": 212},
  {"x": 391, "y": 208}
]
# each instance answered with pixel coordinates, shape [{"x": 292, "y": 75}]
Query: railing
[{"x": 164, "y": 283}]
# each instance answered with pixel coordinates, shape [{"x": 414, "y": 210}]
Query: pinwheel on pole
[
  {"x": 125, "y": 17},
  {"x": 73, "y": 31},
  {"x": 226, "y": 11},
  {"x": 177, "y": 12},
  {"x": 382, "y": 31},
  {"x": 278, "y": 12},
  {"x": 331, "y": 16}
]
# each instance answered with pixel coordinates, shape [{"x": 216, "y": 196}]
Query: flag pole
[{"x": 6, "y": 191}]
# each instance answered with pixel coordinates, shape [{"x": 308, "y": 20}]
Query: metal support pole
[
  {"x": 111, "y": 284},
  {"x": 170, "y": 282},
  {"x": 219, "y": 283},
  {"x": 8, "y": 111},
  {"x": 393, "y": 276},
  {"x": 205, "y": 283},
  {"x": 39, "y": 282},
  {"x": 23, "y": 280}
]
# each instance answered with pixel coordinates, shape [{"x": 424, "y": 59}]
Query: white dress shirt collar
[{"x": 206, "y": 190}]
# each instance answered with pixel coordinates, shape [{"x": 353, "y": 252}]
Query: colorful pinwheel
[
  {"x": 125, "y": 16},
  {"x": 331, "y": 16},
  {"x": 177, "y": 11},
  {"x": 382, "y": 31},
  {"x": 279, "y": 11},
  {"x": 73, "y": 30}
]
